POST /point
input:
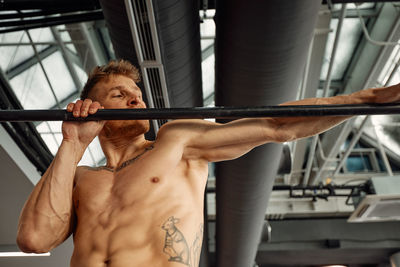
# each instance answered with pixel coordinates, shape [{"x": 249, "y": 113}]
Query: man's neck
[{"x": 119, "y": 149}]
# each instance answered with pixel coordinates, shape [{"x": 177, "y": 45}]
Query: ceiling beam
[{"x": 19, "y": 25}]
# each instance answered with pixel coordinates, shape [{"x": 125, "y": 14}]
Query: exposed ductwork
[
  {"x": 261, "y": 49},
  {"x": 179, "y": 37},
  {"x": 171, "y": 71}
]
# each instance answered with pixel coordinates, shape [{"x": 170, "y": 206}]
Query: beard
[{"x": 125, "y": 128}]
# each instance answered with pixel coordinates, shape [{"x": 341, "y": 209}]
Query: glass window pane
[
  {"x": 59, "y": 76},
  {"x": 206, "y": 43},
  {"x": 207, "y": 27},
  {"x": 81, "y": 75},
  {"x": 43, "y": 127},
  {"x": 41, "y": 35},
  {"x": 207, "y": 67},
  {"x": 55, "y": 126},
  {"x": 50, "y": 141},
  {"x": 12, "y": 56},
  {"x": 32, "y": 89}
]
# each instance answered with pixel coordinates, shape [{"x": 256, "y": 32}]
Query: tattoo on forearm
[{"x": 176, "y": 246}]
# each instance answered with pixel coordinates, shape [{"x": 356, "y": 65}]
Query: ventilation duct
[
  {"x": 144, "y": 32},
  {"x": 261, "y": 49},
  {"x": 163, "y": 38}
]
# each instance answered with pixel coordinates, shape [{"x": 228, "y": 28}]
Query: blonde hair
[{"x": 114, "y": 67}]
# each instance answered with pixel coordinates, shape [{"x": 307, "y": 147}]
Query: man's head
[
  {"x": 114, "y": 86},
  {"x": 103, "y": 73}
]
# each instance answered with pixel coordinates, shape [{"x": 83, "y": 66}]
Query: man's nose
[{"x": 133, "y": 100}]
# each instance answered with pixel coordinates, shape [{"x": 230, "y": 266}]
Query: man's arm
[
  {"x": 47, "y": 217},
  {"x": 217, "y": 142}
]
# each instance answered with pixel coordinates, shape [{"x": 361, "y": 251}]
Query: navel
[{"x": 155, "y": 180}]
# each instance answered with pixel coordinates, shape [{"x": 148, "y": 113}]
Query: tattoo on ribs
[
  {"x": 196, "y": 247},
  {"x": 176, "y": 246}
]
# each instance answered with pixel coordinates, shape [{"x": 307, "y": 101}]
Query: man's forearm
[
  {"x": 292, "y": 128},
  {"x": 45, "y": 218}
]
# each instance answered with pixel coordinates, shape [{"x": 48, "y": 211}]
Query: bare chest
[{"x": 148, "y": 183}]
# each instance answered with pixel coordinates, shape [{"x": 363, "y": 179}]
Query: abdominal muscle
[{"x": 137, "y": 223}]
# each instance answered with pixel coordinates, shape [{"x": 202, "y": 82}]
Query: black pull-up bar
[{"x": 203, "y": 113}]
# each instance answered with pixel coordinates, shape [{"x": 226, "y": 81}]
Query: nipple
[{"x": 155, "y": 180}]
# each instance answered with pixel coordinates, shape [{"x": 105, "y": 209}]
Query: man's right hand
[{"x": 82, "y": 133}]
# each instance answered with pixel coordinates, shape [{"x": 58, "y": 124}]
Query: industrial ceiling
[{"x": 223, "y": 53}]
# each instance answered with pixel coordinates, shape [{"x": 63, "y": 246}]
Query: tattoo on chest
[
  {"x": 176, "y": 246},
  {"x": 123, "y": 165}
]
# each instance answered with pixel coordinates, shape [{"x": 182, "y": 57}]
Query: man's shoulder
[
  {"x": 186, "y": 125},
  {"x": 179, "y": 129}
]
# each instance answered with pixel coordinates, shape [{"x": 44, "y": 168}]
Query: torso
[{"x": 150, "y": 213}]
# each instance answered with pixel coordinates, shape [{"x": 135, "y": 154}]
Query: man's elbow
[{"x": 31, "y": 243}]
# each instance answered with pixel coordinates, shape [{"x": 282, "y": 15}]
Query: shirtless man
[{"x": 145, "y": 207}]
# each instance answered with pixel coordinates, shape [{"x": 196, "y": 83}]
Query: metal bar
[
  {"x": 39, "y": 43},
  {"x": 92, "y": 48},
  {"x": 310, "y": 159},
  {"x": 352, "y": 144},
  {"x": 9, "y": 23},
  {"x": 383, "y": 153},
  {"x": 309, "y": 187},
  {"x": 39, "y": 13},
  {"x": 326, "y": 88},
  {"x": 386, "y": 50},
  {"x": 67, "y": 59},
  {"x": 201, "y": 112},
  {"x": 43, "y": 69},
  {"x": 334, "y": 49},
  {"x": 60, "y": 20}
]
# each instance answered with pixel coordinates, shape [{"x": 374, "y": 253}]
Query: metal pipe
[
  {"x": 384, "y": 50},
  {"x": 366, "y": 34},
  {"x": 310, "y": 158},
  {"x": 307, "y": 187},
  {"x": 334, "y": 49},
  {"x": 353, "y": 142},
  {"x": 322, "y": 154},
  {"x": 202, "y": 112},
  {"x": 327, "y": 85},
  {"x": 383, "y": 153}
]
